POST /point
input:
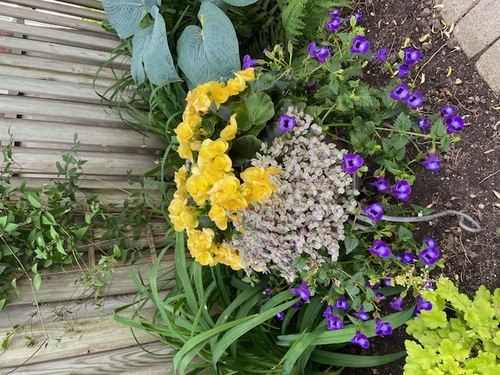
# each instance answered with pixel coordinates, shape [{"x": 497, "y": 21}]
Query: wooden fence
[{"x": 50, "y": 51}]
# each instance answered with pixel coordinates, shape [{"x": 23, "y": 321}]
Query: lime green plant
[{"x": 458, "y": 335}]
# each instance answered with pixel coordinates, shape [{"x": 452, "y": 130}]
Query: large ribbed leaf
[
  {"x": 151, "y": 56},
  {"x": 240, "y": 3},
  {"x": 125, "y": 15},
  {"x": 210, "y": 53}
]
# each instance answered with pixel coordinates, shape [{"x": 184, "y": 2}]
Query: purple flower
[
  {"x": 319, "y": 53},
  {"x": 334, "y": 323},
  {"x": 379, "y": 296},
  {"x": 341, "y": 304},
  {"x": 382, "y": 328},
  {"x": 334, "y": 24},
  {"x": 381, "y": 184},
  {"x": 358, "y": 15},
  {"x": 387, "y": 280},
  {"x": 328, "y": 311},
  {"x": 296, "y": 305},
  {"x": 286, "y": 123},
  {"x": 352, "y": 162},
  {"x": 415, "y": 100},
  {"x": 411, "y": 56},
  {"x": 396, "y": 303},
  {"x": 311, "y": 87},
  {"x": 360, "y": 314},
  {"x": 361, "y": 340},
  {"x": 280, "y": 315},
  {"x": 424, "y": 124},
  {"x": 374, "y": 211},
  {"x": 429, "y": 242},
  {"x": 429, "y": 255},
  {"x": 360, "y": 45},
  {"x": 334, "y": 13},
  {"x": 405, "y": 258},
  {"x": 454, "y": 124},
  {"x": 248, "y": 62},
  {"x": 302, "y": 291},
  {"x": 380, "y": 248},
  {"x": 403, "y": 70},
  {"x": 381, "y": 54},
  {"x": 432, "y": 163},
  {"x": 422, "y": 304},
  {"x": 447, "y": 110},
  {"x": 312, "y": 49},
  {"x": 401, "y": 92},
  {"x": 401, "y": 190}
]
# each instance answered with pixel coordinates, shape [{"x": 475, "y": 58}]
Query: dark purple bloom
[
  {"x": 381, "y": 184},
  {"x": 380, "y": 248},
  {"x": 360, "y": 314},
  {"x": 424, "y": 124},
  {"x": 447, "y": 111},
  {"x": 311, "y": 87},
  {"x": 429, "y": 255},
  {"x": 334, "y": 24},
  {"x": 381, "y": 54},
  {"x": 411, "y": 56},
  {"x": 403, "y": 70},
  {"x": 248, "y": 62},
  {"x": 429, "y": 242},
  {"x": 312, "y": 49},
  {"x": 405, "y": 258},
  {"x": 374, "y": 211},
  {"x": 328, "y": 311},
  {"x": 352, "y": 162},
  {"x": 401, "y": 92},
  {"x": 422, "y": 304},
  {"x": 401, "y": 190},
  {"x": 379, "y": 296},
  {"x": 319, "y": 53},
  {"x": 280, "y": 315},
  {"x": 396, "y": 303},
  {"x": 286, "y": 123},
  {"x": 360, "y": 45},
  {"x": 334, "y": 13},
  {"x": 334, "y": 323},
  {"x": 341, "y": 304},
  {"x": 454, "y": 124},
  {"x": 415, "y": 100},
  {"x": 296, "y": 305},
  {"x": 302, "y": 291},
  {"x": 387, "y": 280},
  {"x": 382, "y": 328},
  {"x": 432, "y": 163},
  {"x": 358, "y": 15},
  {"x": 361, "y": 340}
]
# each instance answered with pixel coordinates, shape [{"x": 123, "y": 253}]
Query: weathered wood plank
[
  {"x": 61, "y": 8},
  {"x": 86, "y": 3},
  {"x": 59, "y": 35},
  {"x": 128, "y": 361},
  {"x": 52, "y": 19}
]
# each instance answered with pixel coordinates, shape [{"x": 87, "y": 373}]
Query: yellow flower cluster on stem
[{"x": 208, "y": 185}]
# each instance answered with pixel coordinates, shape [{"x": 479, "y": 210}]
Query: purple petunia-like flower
[
  {"x": 280, "y": 315},
  {"x": 447, "y": 110},
  {"x": 334, "y": 24},
  {"x": 352, "y": 162},
  {"x": 311, "y": 87},
  {"x": 454, "y": 124},
  {"x": 380, "y": 248},
  {"x": 341, "y": 304},
  {"x": 411, "y": 56},
  {"x": 396, "y": 304},
  {"x": 321, "y": 54},
  {"x": 381, "y": 54},
  {"x": 387, "y": 281},
  {"x": 422, "y": 304},
  {"x": 382, "y": 328},
  {"x": 429, "y": 255},
  {"x": 248, "y": 62},
  {"x": 358, "y": 15},
  {"x": 360, "y": 45},
  {"x": 424, "y": 124},
  {"x": 432, "y": 163},
  {"x": 401, "y": 92},
  {"x": 334, "y": 323},
  {"x": 361, "y": 314},
  {"x": 401, "y": 190},
  {"x": 403, "y": 70},
  {"x": 334, "y": 13},
  {"x": 361, "y": 340},
  {"x": 286, "y": 123},
  {"x": 415, "y": 100},
  {"x": 381, "y": 184},
  {"x": 405, "y": 258},
  {"x": 429, "y": 242},
  {"x": 374, "y": 211},
  {"x": 302, "y": 291}
]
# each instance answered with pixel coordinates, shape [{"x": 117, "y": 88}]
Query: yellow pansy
[
  {"x": 229, "y": 132},
  {"x": 216, "y": 169},
  {"x": 184, "y": 149},
  {"x": 180, "y": 178},
  {"x": 184, "y": 131},
  {"x": 201, "y": 246},
  {"x": 197, "y": 102},
  {"x": 197, "y": 186},
  {"x": 257, "y": 184},
  {"x": 211, "y": 149},
  {"x": 182, "y": 215},
  {"x": 228, "y": 256},
  {"x": 226, "y": 194},
  {"x": 218, "y": 215},
  {"x": 217, "y": 92}
]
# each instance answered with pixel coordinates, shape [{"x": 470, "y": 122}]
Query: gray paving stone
[
  {"x": 479, "y": 28},
  {"x": 453, "y": 10},
  {"x": 488, "y": 66}
]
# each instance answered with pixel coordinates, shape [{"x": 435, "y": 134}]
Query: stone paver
[
  {"x": 453, "y": 10},
  {"x": 488, "y": 66}
]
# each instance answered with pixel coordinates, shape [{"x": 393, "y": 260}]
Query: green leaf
[
  {"x": 126, "y": 16},
  {"x": 402, "y": 123},
  {"x": 351, "y": 360},
  {"x": 243, "y": 149},
  {"x": 34, "y": 200},
  {"x": 37, "y": 281},
  {"x": 253, "y": 113},
  {"x": 211, "y": 53},
  {"x": 240, "y": 3},
  {"x": 438, "y": 129}
]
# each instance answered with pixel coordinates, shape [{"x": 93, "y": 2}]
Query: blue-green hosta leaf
[
  {"x": 125, "y": 15},
  {"x": 210, "y": 53},
  {"x": 151, "y": 56},
  {"x": 240, "y": 3}
]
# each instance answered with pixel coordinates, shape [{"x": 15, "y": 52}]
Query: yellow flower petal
[{"x": 229, "y": 132}]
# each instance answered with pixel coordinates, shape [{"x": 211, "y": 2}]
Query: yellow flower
[
  {"x": 229, "y": 132},
  {"x": 201, "y": 246},
  {"x": 180, "y": 178},
  {"x": 211, "y": 149},
  {"x": 257, "y": 185},
  {"x": 184, "y": 131},
  {"x": 198, "y": 102},
  {"x": 239, "y": 83},
  {"x": 217, "y": 92},
  {"x": 228, "y": 256},
  {"x": 247, "y": 74},
  {"x": 214, "y": 170},
  {"x": 182, "y": 215},
  {"x": 197, "y": 186},
  {"x": 184, "y": 150},
  {"x": 218, "y": 215},
  {"x": 226, "y": 194}
]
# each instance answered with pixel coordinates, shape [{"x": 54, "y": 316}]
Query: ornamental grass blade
[
  {"x": 351, "y": 360},
  {"x": 298, "y": 349}
]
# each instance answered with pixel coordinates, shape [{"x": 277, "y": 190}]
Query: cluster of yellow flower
[{"x": 208, "y": 178}]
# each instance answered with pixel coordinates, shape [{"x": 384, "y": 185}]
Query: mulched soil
[{"x": 469, "y": 180}]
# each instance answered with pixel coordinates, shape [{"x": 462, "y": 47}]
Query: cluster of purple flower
[
  {"x": 429, "y": 254},
  {"x": 400, "y": 190}
]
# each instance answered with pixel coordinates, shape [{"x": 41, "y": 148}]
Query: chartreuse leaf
[
  {"x": 209, "y": 53},
  {"x": 126, "y": 16}
]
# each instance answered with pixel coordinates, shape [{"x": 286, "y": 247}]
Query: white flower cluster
[{"x": 303, "y": 221}]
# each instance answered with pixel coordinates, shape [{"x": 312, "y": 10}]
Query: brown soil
[{"x": 469, "y": 179}]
